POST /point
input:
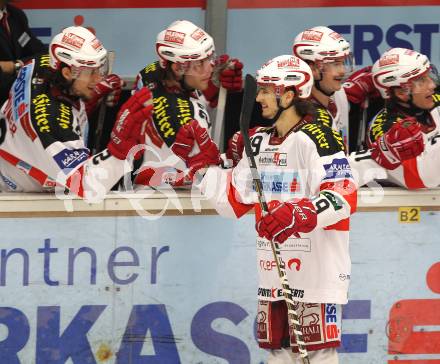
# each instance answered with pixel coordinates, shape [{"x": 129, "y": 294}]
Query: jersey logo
[
  {"x": 339, "y": 168},
  {"x": 280, "y": 182}
]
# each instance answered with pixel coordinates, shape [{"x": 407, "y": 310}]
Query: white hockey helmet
[
  {"x": 286, "y": 72},
  {"x": 183, "y": 42},
  {"x": 322, "y": 44},
  {"x": 397, "y": 67},
  {"x": 78, "y": 48}
]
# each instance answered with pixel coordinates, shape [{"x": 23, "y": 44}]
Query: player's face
[
  {"x": 422, "y": 90},
  {"x": 198, "y": 74},
  {"x": 84, "y": 84},
  {"x": 333, "y": 74},
  {"x": 267, "y": 99}
]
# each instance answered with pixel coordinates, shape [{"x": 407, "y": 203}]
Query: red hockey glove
[
  {"x": 236, "y": 145},
  {"x": 230, "y": 75},
  {"x": 187, "y": 138},
  {"x": 110, "y": 87},
  {"x": 404, "y": 140},
  {"x": 227, "y": 73},
  {"x": 286, "y": 219},
  {"x": 359, "y": 86},
  {"x": 128, "y": 130}
]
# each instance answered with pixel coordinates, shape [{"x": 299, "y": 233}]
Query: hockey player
[
  {"x": 404, "y": 133},
  {"x": 177, "y": 140},
  {"x": 307, "y": 180},
  {"x": 328, "y": 55},
  {"x": 44, "y": 122}
]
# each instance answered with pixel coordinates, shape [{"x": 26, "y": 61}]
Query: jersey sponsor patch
[
  {"x": 280, "y": 182},
  {"x": 21, "y": 93},
  {"x": 70, "y": 158},
  {"x": 339, "y": 168},
  {"x": 272, "y": 159},
  {"x": 327, "y": 140}
]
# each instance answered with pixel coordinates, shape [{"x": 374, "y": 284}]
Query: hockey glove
[
  {"x": 403, "y": 141},
  {"x": 236, "y": 145},
  {"x": 128, "y": 130},
  {"x": 228, "y": 74},
  {"x": 286, "y": 219},
  {"x": 360, "y": 86},
  {"x": 190, "y": 135}
]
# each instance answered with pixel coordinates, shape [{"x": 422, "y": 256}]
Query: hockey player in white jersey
[
  {"x": 307, "y": 180},
  {"x": 177, "y": 140},
  {"x": 44, "y": 122},
  {"x": 329, "y": 56},
  {"x": 403, "y": 135}
]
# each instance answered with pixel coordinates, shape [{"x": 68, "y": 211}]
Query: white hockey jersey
[
  {"x": 420, "y": 172},
  {"x": 42, "y": 141},
  {"x": 308, "y": 162},
  {"x": 172, "y": 109}
]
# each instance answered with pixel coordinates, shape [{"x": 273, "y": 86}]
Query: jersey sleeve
[
  {"x": 333, "y": 188},
  {"x": 47, "y": 144},
  {"x": 229, "y": 191}
]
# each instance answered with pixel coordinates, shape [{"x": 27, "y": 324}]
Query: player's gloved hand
[
  {"x": 129, "y": 127},
  {"x": 286, "y": 219},
  {"x": 236, "y": 145},
  {"x": 403, "y": 141},
  {"x": 111, "y": 88},
  {"x": 228, "y": 74},
  {"x": 360, "y": 86},
  {"x": 188, "y": 137}
]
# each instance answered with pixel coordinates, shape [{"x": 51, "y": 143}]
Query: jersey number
[{"x": 256, "y": 144}]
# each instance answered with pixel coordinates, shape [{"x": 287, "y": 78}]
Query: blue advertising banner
[{"x": 183, "y": 290}]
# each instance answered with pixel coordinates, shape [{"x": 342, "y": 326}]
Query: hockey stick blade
[{"x": 247, "y": 105}]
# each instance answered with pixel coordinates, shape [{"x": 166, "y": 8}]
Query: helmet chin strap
[
  {"x": 279, "y": 112},
  {"x": 318, "y": 86}
]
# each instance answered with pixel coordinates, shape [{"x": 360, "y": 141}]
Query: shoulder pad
[
  {"x": 327, "y": 141},
  {"x": 323, "y": 116},
  {"x": 380, "y": 124},
  {"x": 52, "y": 119},
  {"x": 436, "y": 98},
  {"x": 150, "y": 75}
]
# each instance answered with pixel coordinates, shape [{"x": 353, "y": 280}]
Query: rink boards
[{"x": 125, "y": 282}]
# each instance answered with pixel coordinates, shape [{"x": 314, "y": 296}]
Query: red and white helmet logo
[
  {"x": 73, "y": 40},
  {"x": 312, "y": 35},
  {"x": 388, "y": 60},
  {"x": 174, "y": 37}
]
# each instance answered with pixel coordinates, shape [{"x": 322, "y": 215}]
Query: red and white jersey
[
  {"x": 172, "y": 109},
  {"x": 42, "y": 141},
  {"x": 420, "y": 172},
  {"x": 309, "y": 162},
  {"x": 336, "y": 115}
]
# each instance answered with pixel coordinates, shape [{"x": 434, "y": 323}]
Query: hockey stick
[
  {"x": 250, "y": 90},
  {"x": 102, "y": 109},
  {"x": 363, "y": 125},
  {"x": 219, "y": 117}
]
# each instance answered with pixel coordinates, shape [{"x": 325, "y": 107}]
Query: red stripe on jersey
[
  {"x": 75, "y": 182},
  {"x": 25, "y": 167},
  {"x": 343, "y": 225},
  {"x": 239, "y": 208},
  {"x": 411, "y": 174},
  {"x": 346, "y": 189}
]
